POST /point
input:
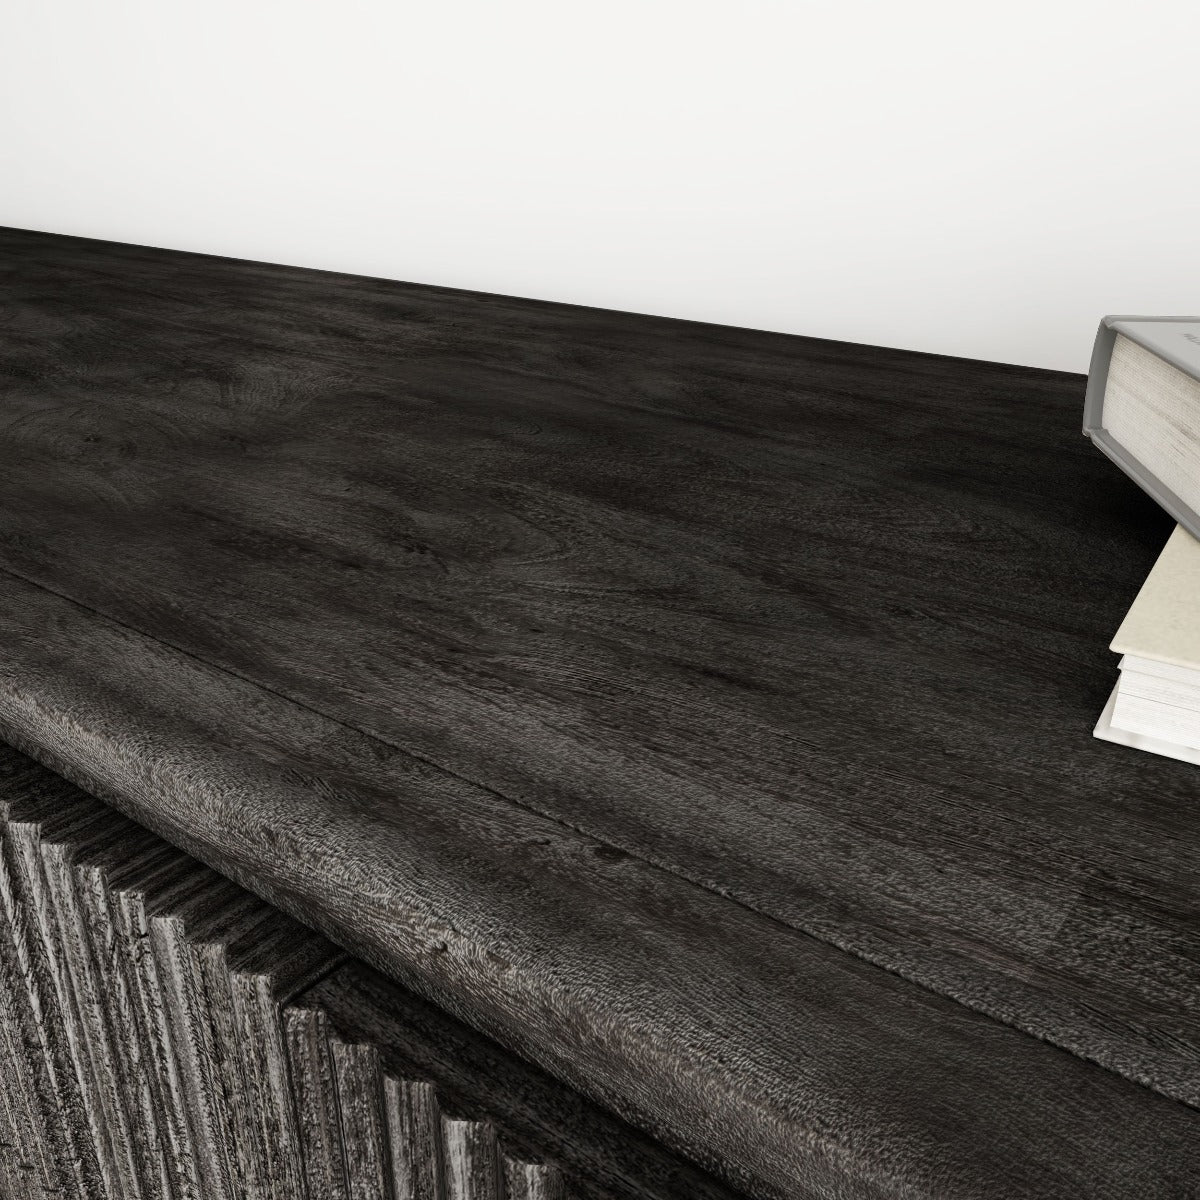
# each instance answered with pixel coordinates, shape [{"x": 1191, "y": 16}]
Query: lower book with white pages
[
  {"x": 1140, "y": 741},
  {"x": 1156, "y": 703}
]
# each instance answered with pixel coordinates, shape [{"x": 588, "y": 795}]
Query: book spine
[
  {"x": 1093, "y": 423},
  {"x": 1097, "y": 379}
]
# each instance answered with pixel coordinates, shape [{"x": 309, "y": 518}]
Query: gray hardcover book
[{"x": 1142, "y": 407}]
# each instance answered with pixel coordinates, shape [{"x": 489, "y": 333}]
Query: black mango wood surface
[{"x": 705, "y": 713}]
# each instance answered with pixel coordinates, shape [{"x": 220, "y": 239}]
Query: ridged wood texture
[
  {"x": 165, "y": 1035},
  {"x": 704, "y": 714}
]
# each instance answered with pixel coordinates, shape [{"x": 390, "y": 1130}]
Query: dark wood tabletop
[{"x": 704, "y": 713}]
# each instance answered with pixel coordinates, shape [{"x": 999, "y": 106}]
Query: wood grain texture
[
  {"x": 30, "y": 1149},
  {"x": 525, "y": 1182},
  {"x": 81, "y": 1092},
  {"x": 82, "y": 867},
  {"x": 298, "y": 1069},
  {"x": 33, "y": 1018},
  {"x": 160, "y": 1021},
  {"x": 114, "y": 988},
  {"x": 360, "y": 1100},
  {"x": 429, "y": 1060},
  {"x": 318, "y": 1119},
  {"x": 472, "y": 1160},
  {"x": 774, "y": 1086},
  {"x": 419, "y": 1139},
  {"x": 28, "y": 1164},
  {"x": 602, "y": 674},
  {"x": 414, "y": 1131}
]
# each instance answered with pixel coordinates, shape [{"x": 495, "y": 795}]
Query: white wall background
[{"x": 983, "y": 180}]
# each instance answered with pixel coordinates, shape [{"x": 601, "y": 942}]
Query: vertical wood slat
[
  {"x": 56, "y": 991},
  {"x": 162, "y": 1053},
  {"x": 472, "y": 1158},
  {"x": 533, "y": 1181},
  {"x": 318, "y": 1116},
  {"x": 184, "y": 1005},
  {"x": 28, "y": 1143},
  {"x": 114, "y": 990},
  {"x": 226, "y": 1081},
  {"x": 87, "y": 1010},
  {"x": 364, "y": 1132},
  {"x": 245, "y": 1155},
  {"x": 51, "y": 1065},
  {"x": 415, "y": 1132},
  {"x": 17, "y": 1148},
  {"x": 272, "y": 1107}
]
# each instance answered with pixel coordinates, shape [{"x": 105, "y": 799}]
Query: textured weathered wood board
[
  {"x": 814, "y": 1074},
  {"x": 596, "y": 674},
  {"x": 219, "y": 1049}
]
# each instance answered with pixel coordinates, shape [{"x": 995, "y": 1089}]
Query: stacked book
[
  {"x": 1156, "y": 703},
  {"x": 1143, "y": 410}
]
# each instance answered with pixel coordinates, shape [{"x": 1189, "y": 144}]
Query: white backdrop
[{"x": 967, "y": 179}]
